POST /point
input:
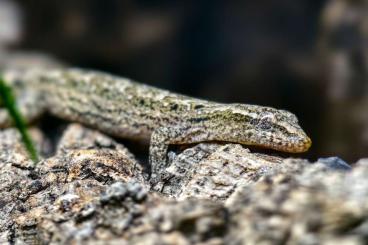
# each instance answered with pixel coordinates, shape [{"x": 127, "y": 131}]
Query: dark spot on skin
[
  {"x": 264, "y": 125},
  {"x": 226, "y": 149},
  {"x": 200, "y": 119},
  {"x": 254, "y": 121},
  {"x": 141, "y": 101},
  {"x": 174, "y": 107},
  {"x": 197, "y": 107}
]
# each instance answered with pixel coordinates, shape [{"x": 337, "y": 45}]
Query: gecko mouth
[{"x": 296, "y": 145}]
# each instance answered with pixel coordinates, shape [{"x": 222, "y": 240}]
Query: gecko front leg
[{"x": 162, "y": 137}]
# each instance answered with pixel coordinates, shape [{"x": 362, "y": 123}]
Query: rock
[
  {"x": 77, "y": 137},
  {"x": 92, "y": 191},
  {"x": 87, "y": 145},
  {"x": 191, "y": 221},
  {"x": 65, "y": 188},
  {"x": 213, "y": 171},
  {"x": 118, "y": 191},
  {"x": 335, "y": 163},
  {"x": 15, "y": 177},
  {"x": 303, "y": 204},
  {"x": 12, "y": 150}
]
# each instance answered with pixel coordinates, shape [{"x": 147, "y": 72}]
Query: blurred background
[{"x": 309, "y": 57}]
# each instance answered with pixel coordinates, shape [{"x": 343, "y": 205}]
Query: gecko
[{"x": 127, "y": 109}]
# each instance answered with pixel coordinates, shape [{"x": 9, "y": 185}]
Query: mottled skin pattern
[{"x": 127, "y": 109}]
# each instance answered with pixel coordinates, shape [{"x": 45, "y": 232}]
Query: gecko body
[{"x": 127, "y": 109}]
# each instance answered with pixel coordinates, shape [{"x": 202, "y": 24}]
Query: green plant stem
[{"x": 8, "y": 100}]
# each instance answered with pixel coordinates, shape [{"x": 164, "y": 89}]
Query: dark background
[{"x": 309, "y": 57}]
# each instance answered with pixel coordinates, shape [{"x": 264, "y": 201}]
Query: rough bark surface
[{"x": 92, "y": 191}]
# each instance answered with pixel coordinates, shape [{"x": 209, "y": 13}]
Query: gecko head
[{"x": 266, "y": 127}]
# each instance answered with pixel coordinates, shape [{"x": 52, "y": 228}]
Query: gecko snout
[{"x": 302, "y": 144}]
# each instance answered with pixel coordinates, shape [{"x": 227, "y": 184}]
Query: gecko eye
[{"x": 266, "y": 122}]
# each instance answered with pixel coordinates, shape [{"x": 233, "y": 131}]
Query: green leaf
[{"x": 9, "y": 102}]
